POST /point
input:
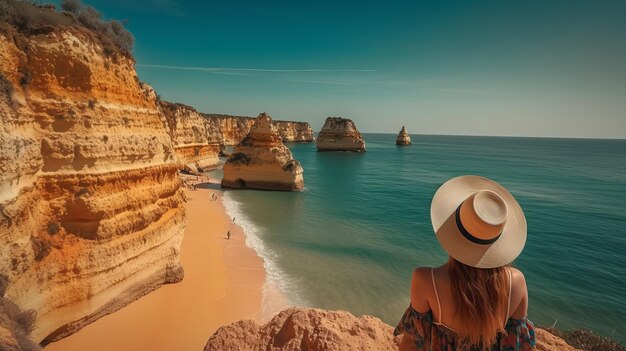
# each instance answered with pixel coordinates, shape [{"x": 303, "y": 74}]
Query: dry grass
[
  {"x": 585, "y": 339},
  {"x": 19, "y": 324},
  {"x": 30, "y": 19}
]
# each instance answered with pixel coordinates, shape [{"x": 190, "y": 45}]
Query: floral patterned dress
[{"x": 428, "y": 336}]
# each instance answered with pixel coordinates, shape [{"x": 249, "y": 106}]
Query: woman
[{"x": 475, "y": 301}]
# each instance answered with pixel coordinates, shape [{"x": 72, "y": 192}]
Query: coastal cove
[{"x": 351, "y": 239}]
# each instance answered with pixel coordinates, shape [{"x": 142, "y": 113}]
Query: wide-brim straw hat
[{"x": 478, "y": 222}]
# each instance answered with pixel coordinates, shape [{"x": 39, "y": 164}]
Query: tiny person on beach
[
  {"x": 476, "y": 300},
  {"x": 228, "y": 235}
]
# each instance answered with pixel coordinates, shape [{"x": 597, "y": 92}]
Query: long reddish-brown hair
[{"x": 481, "y": 299}]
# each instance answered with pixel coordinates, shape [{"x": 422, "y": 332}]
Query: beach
[{"x": 223, "y": 283}]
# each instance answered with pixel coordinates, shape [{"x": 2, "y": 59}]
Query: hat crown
[
  {"x": 489, "y": 207},
  {"x": 483, "y": 215}
]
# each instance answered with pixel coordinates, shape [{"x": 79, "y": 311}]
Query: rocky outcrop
[
  {"x": 262, "y": 161},
  {"x": 294, "y": 132},
  {"x": 195, "y": 146},
  {"x": 230, "y": 130},
  {"x": 91, "y": 210},
  {"x": 340, "y": 134},
  {"x": 311, "y": 329},
  {"x": 306, "y": 329},
  {"x": 403, "y": 137}
]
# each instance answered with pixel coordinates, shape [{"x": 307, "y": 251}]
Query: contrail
[{"x": 223, "y": 69}]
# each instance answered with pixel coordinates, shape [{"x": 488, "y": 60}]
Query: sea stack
[
  {"x": 340, "y": 134},
  {"x": 403, "y": 137},
  {"x": 262, "y": 161}
]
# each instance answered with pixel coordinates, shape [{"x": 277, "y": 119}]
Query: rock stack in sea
[
  {"x": 403, "y": 137},
  {"x": 340, "y": 134},
  {"x": 91, "y": 209},
  {"x": 312, "y": 329},
  {"x": 262, "y": 161}
]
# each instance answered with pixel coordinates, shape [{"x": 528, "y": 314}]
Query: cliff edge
[{"x": 91, "y": 210}]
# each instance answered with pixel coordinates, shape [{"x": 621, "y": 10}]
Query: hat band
[{"x": 468, "y": 235}]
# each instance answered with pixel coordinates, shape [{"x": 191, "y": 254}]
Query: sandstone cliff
[
  {"x": 262, "y": 161},
  {"x": 311, "y": 329},
  {"x": 403, "y": 137},
  {"x": 195, "y": 144},
  {"x": 91, "y": 210},
  {"x": 340, "y": 134},
  {"x": 298, "y": 132},
  {"x": 232, "y": 129}
]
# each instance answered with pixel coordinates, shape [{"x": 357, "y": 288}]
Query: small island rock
[
  {"x": 403, "y": 137},
  {"x": 340, "y": 134}
]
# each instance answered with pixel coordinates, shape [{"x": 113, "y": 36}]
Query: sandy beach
[{"x": 223, "y": 283}]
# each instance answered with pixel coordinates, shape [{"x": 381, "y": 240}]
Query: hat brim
[{"x": 503, "y": 251}]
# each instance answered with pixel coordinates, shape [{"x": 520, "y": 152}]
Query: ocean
[{"x": 352, "y": 238}]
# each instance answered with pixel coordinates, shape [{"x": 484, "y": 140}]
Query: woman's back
[
  {"x": 474, "y": 301},
  {"x": 439, "y": 288},
  {"x": 432, "y": 323}
]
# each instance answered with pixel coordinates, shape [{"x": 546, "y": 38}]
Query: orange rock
[
  {"x": 262, "y": 161},
  {"x": 196, "y": 148},
  {"x": 91, "y": 210},
  {"x": 306, "y": 329}
]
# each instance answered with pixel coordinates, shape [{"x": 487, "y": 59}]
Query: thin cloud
[
  {"x": 325, "y": 82},
  {"x": 231, "y": 69}
]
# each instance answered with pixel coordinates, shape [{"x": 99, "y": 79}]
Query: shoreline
[{"x": 225, "y": 281}]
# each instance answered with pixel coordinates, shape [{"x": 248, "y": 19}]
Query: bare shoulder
[
  {"x": 421, "y": 273},
  {"x": 518, "y": 277}
]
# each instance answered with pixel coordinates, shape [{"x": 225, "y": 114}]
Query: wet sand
[{"x": 223, "y": 283}]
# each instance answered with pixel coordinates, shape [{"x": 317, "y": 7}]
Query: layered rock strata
[
  {"x": 262, "y": 161},
  {"x": 294, "y": 132},
  {"x": 311, "y": 329},
  {"x": 403, "y": 137},
  {"x": 91, "y": 210},
  {"x": 232, "y": 129},
  {"x": 196, "y": 146},
  {"x": 340, "y": 134}
]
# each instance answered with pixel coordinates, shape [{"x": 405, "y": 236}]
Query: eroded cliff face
[
  {"x": 312, "y": 329},
  {"x": 91, "y": 210},
  {"x": 403, "y": 137},
  {"x": 232, "y": 129},
  {"x": 340, "y": 134},
  {"x": 262, "y": 161},
  {"x": 196, "y": 146},
  {"x": 294, "y": 132}
]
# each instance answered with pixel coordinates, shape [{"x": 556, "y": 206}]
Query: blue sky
[{"x": 527, "y": 68}]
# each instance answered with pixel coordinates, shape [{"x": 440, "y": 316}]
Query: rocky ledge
[
  {"x": 262, "y": 161},
  {"x": 340, "y": 134},
  {"x": 313, "y": 329},
  {"x": 403, "y": 137}
]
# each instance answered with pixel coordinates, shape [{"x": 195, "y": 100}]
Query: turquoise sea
[{"x": 352, "y": 239}]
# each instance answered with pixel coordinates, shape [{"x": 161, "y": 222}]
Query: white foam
[{"x": 279, "y": 290}]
